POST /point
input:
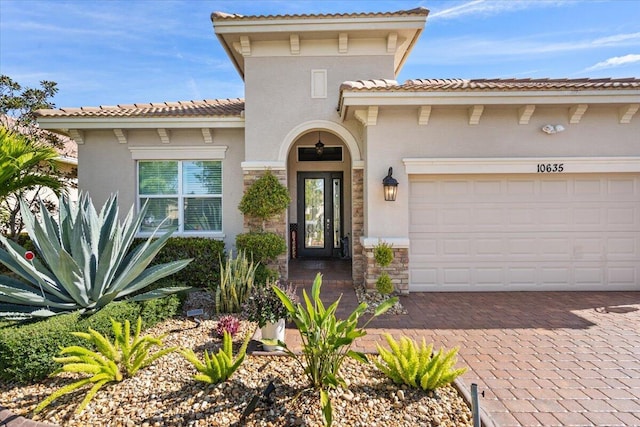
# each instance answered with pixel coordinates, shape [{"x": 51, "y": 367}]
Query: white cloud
[
  {"x": 464, "y": 49},
  {"x": 616, "y": 61},
  {"x": 488, "y": 7}
]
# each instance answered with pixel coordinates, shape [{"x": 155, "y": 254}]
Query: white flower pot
[{"x": 273, "y": 331}]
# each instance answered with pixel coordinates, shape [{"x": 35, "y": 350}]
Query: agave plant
[{"x": 83, "y": 261}]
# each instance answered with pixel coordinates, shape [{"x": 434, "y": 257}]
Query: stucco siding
[
  {"x": 106, "y": 166},
  {"x": 278, "y": 95},
  {"x": 448, "y": 134}
]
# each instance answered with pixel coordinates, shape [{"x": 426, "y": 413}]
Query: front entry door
[{"x": 319, "y": 214}]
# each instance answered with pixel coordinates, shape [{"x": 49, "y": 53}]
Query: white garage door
[{"x": 525, "y": 232}]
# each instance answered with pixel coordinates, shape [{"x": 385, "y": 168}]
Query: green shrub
[
  {"x": 326, "y": 341},
  {"x": 111, "y": 362},
  {"x": 383, "y": 254},
  {"x": 27, "y": 349},
  {"x": 261, "y": 246},
  {"x": 265, "y": 198},
  {"x": 265, "y": 274},
  {"x": 217, "y": 367},
  {"x": 417, "y": 366},
  {"x": 206, "y": 253},
  {"x": 236, "y": 283},
  {"x": 384, "y": 285}
]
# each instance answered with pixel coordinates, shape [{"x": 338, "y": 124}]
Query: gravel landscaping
[{"x": 164, "y": 394}]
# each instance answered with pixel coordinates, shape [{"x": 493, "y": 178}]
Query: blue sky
[{"x": 118, "y": 52}]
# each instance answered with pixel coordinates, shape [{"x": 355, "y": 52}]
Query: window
[{"x": 185, "y": 195}]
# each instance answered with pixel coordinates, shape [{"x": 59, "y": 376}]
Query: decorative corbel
[
  {"x": 576, "y": 112},
  {"x": 121, "y": 135},
  {"x": 343, "y": 43},
  {"x": 368, "y": 117},
  {"x": 392, "y": 42},
  {"x": 164, "y": 136},
  {"x": 475, "y": 112},
  {"x": 626, "y": 113},
  {"x": 424, "y": 112},
  {"x": 294, "y": 42},
  {"x": 207, "y": 136},
  {"x": 525, "y": 113},
  {"x": 77, "y": 135},
  {"x": 245, "y": 46}
]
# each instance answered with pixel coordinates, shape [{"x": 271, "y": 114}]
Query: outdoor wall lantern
[
  {"x": 390, "y": 185},
  {"x": 319, "y": 146}
]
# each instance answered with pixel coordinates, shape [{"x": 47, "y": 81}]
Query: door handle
[{"x": 328, "y": 224}]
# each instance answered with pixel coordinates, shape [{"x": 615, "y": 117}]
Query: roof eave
[
  {"x": 62, "y": 123},
  {"x": 382, "y": 97}
]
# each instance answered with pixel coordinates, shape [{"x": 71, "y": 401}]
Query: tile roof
[
  {"x": 420, "y": 85},
  {"x": 222, "y": 16},
  {"x": 207, "y": 107}
]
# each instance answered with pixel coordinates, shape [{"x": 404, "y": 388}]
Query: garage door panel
[{"x": 525, "y": 232}]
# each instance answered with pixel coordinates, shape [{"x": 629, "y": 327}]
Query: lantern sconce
[
  {"x": 390, "y": 185},
  {"x": 319, "y": 146}
]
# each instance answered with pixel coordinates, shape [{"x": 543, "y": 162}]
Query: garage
[{"x": 524, "y": 232}]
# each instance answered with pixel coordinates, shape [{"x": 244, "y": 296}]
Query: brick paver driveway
[{"x": 542, "y": 358}]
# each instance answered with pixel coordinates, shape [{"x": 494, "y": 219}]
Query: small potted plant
[{"x": 265, "y": 308}]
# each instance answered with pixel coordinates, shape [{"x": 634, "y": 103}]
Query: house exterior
[{"x": 505, "y": 184}]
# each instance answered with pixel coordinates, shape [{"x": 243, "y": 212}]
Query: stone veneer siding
[
  {"x": 276, "y": 224},
  {"x": 357, "y": 225},
  {"x": 398, "y": 270}
]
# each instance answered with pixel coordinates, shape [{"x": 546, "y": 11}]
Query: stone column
[
  {"x": 398, "y": 270},
  {"x": 357, "y": 225},
  {"x": 276, "y": 224}
]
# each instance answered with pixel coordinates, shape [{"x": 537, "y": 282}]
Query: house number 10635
[{"x": 550, "y": 167}]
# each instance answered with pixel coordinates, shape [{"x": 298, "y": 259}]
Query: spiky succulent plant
[{"x": 82, "y": 261}]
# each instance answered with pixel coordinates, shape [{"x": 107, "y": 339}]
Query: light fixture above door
[{"x": 319, "y": 146}]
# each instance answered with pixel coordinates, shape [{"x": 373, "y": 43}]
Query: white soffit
[
  {"x": 214, "y": 152},
  {"x": 557, "y": 165}
]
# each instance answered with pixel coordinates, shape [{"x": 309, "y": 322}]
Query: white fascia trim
[
  {"x": 447, "y": 166},
  {"x": 260, "y": 166},
  {"x": 489, "y": 98},
  {"x": 305, "y": 25},
  {"x": 215, "y": 152},
  {"x": 396, "y": 242},
  {"x": 140, "y": 123}
]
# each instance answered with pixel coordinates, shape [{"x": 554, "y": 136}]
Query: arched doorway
[{"x": 320, "y": 163}]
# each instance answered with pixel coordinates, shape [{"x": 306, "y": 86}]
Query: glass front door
[{"x": 319, "y": 214}]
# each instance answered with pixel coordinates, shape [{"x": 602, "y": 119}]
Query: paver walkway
[{"x": 542, "y": 358}]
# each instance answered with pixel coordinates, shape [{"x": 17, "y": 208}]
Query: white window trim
[
  {"x": 180, "y": 196},
  {"x": 214, "y": 152}
]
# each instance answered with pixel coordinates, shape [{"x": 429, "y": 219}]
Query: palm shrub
[
  {"x": 84, "y": 262},
  {"x": 218, "y": 367},
  {"x": 110, "y": 363},
  {"x": 416, "y": 365},
  {"x": 236, "y": 281},
  {"x": 326, "y": 341}
]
